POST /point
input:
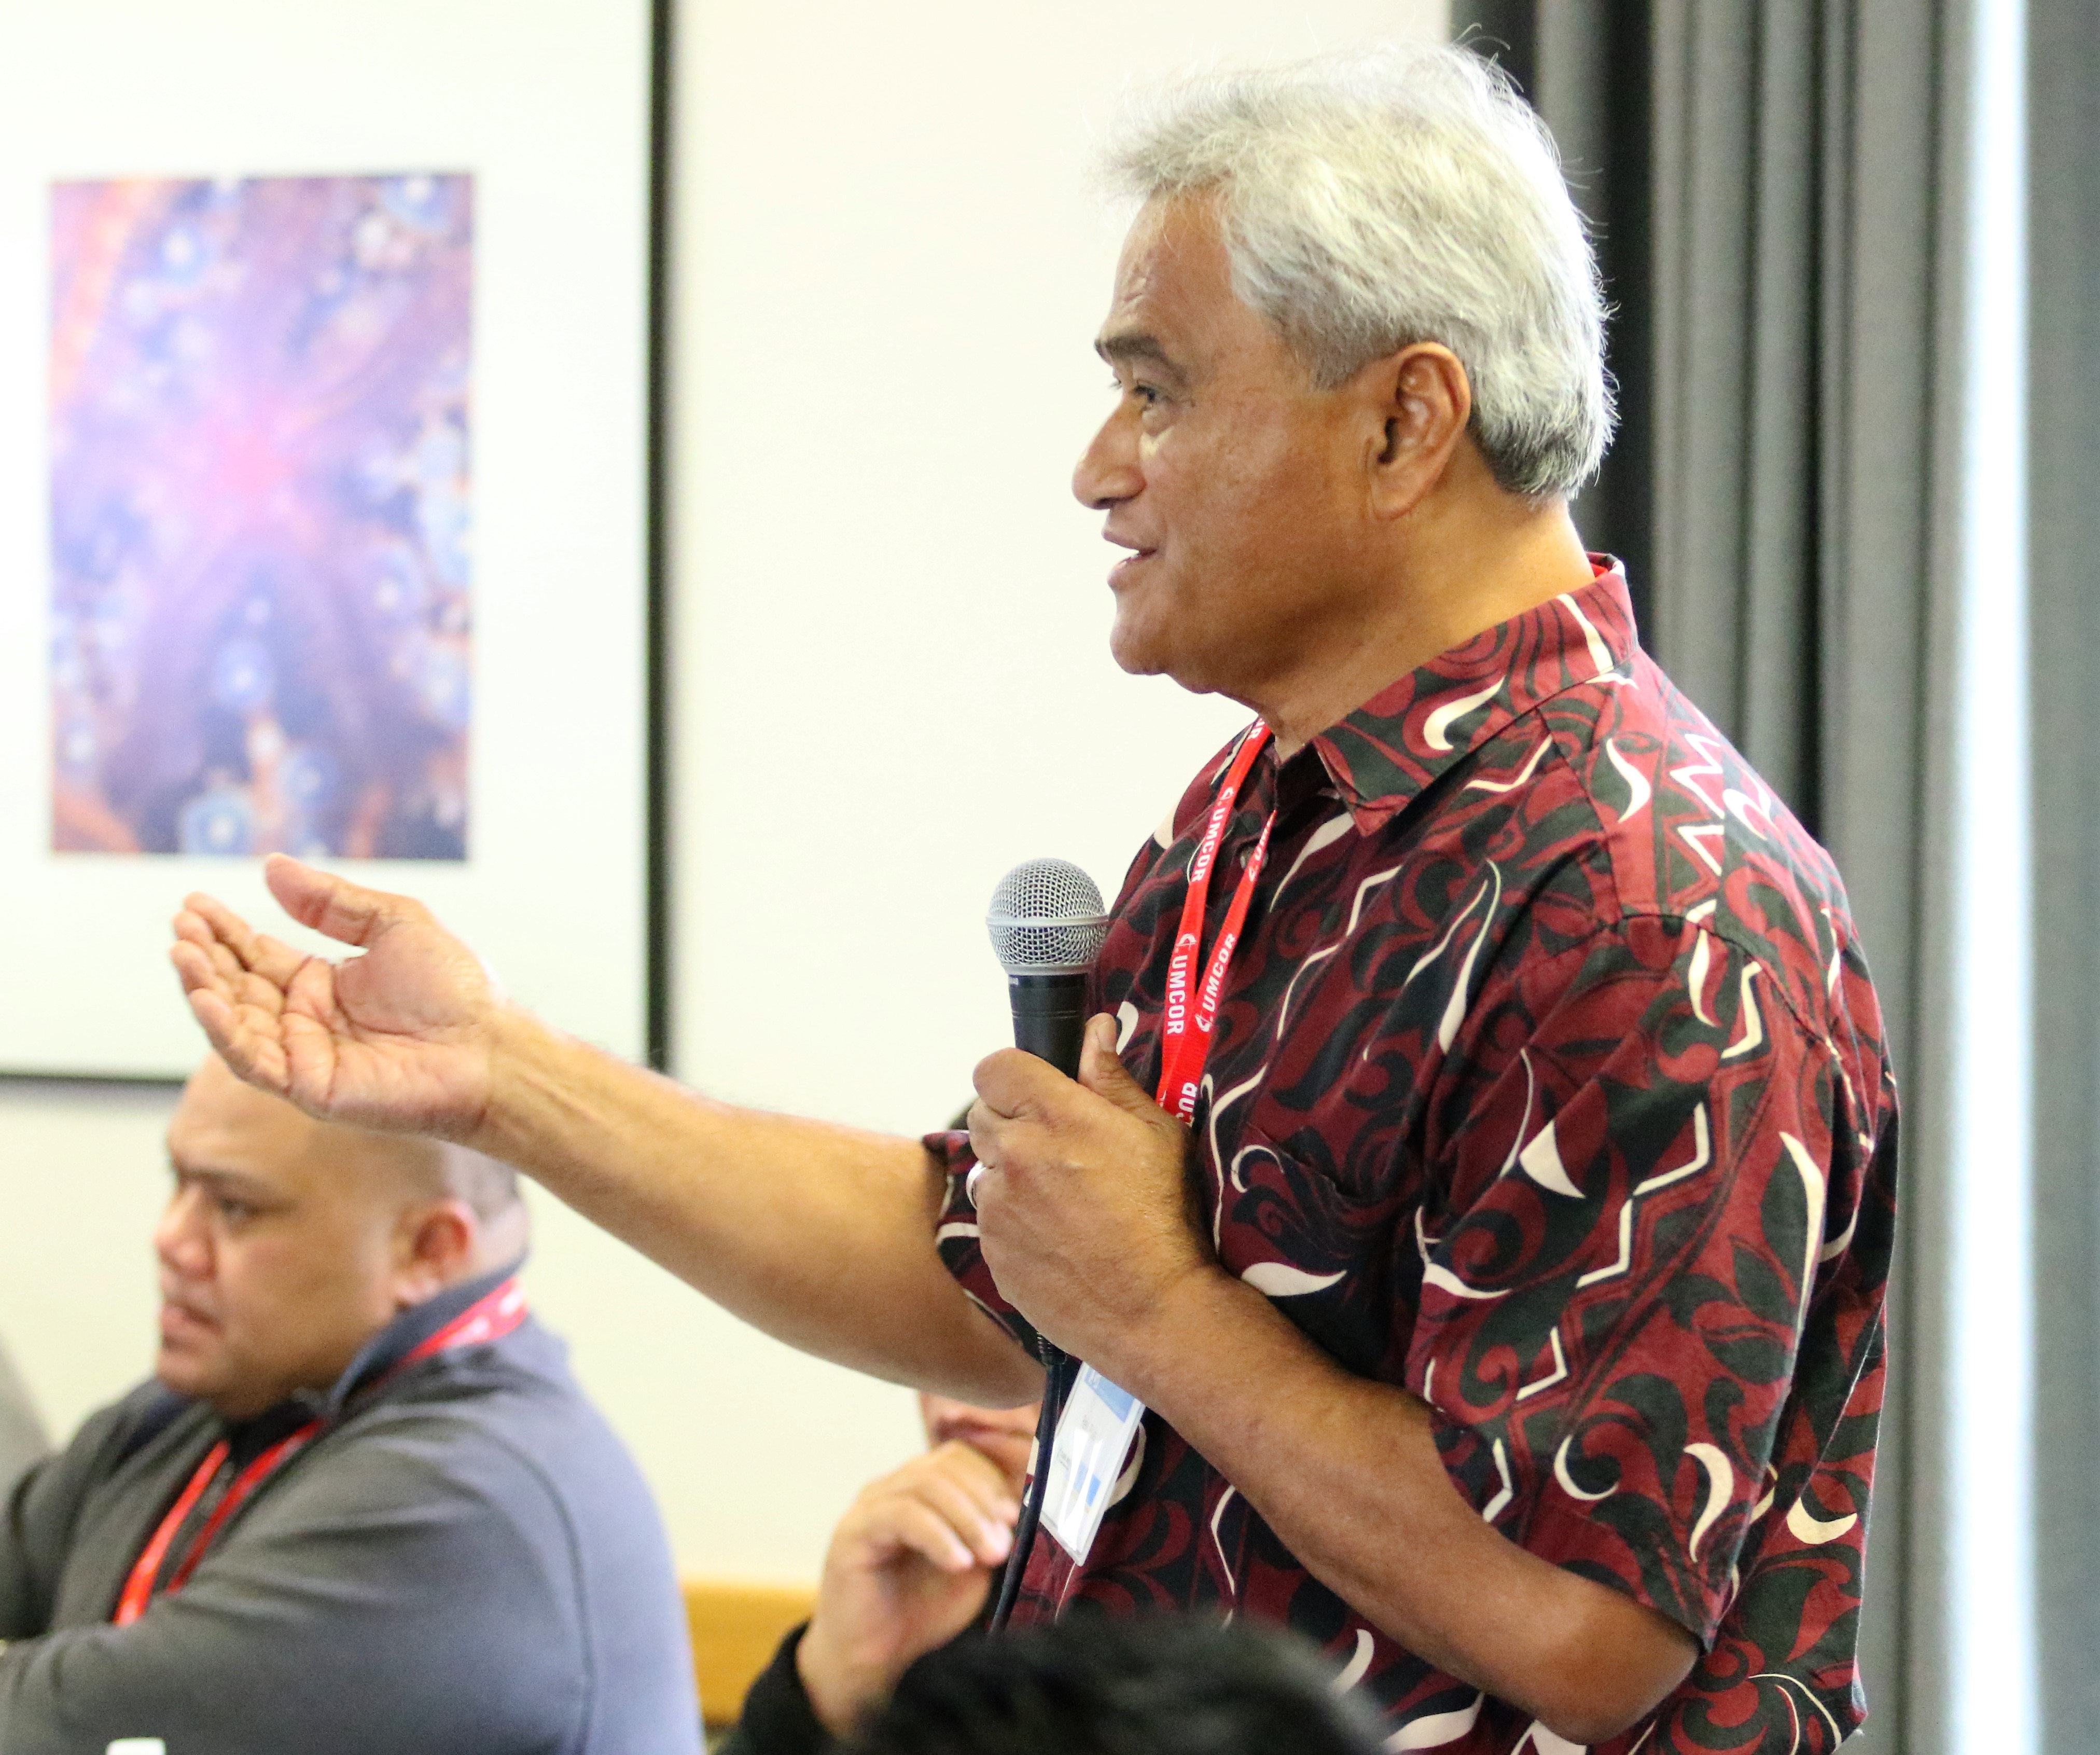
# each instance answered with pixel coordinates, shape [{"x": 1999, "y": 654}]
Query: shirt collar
[
  {"x": 402, "y": 1337},
  {"x": 1383, "y": 755}
]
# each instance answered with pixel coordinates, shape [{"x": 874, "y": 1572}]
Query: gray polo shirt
[{"x": 466, "y": 1562}]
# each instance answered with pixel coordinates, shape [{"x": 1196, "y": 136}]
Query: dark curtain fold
[
  {"x": 1592, "y": 80},
  {"x": 1776, "y": 187},
  {"x": 2064, "y": 602}
]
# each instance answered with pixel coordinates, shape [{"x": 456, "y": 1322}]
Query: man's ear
[
  {"x": 434, "y": 1248},
  {"x": 1422, "y": 400}
]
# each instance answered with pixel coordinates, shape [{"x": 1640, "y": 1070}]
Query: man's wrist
[
  {"x": 840, "y": 1689},
  {"x": 525, "y": 1059},
  {"x": 1151, "y": 1358}
]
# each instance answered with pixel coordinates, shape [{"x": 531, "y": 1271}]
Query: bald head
[
  {"x": 289, "y": 1242},
  {"x": 220, "y": 1115}
]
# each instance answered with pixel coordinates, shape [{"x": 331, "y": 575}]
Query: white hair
[{"x": 1401, "y": 194}]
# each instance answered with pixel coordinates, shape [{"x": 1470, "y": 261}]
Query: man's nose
[
  {"x": 179, "y": 1238},
  {"x": 1107, "y": 473}
]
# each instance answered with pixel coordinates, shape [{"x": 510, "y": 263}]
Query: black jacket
[{"x": 778, "y": 1718}]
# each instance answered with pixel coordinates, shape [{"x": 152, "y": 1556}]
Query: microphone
[{"x": 1047, "y": 926}]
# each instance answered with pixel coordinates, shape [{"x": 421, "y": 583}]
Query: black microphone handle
[
  {"x": 1050, "y": 1022},
  {"x": 1050, "y": 1018}
]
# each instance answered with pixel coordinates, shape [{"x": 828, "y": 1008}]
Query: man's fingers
[
  {"x": 199, "y": 970},
  {"x": 950, "y": 1501},
  {"x": 913, "y": 1524},
  {"x": 213, "y": 1015},
  {"x": 261, "y": 976},
  {"x": 244, "y": 968},
  {"x": 272, "y": 959},
  {"x": 1013, "y": 1083},
  {"x": 344, "y": 911},
  {"x": 975, "y": 1500},
  {"x": 977, "y": 1475},
  {"x": 1102, "y": 1072},
  {"x": 254, "y": 1055},
  {"x": 984, "y": 1134},
  {"x": 208, "y": 923},
  {"x": 235, "y": 981}
]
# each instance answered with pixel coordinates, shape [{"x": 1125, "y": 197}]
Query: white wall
[{"x": 891, "y": 676}]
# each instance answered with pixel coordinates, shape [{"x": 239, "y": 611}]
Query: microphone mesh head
[{"x": 1046, "y": 919}]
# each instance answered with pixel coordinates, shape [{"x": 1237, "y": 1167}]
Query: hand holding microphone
[
  {"x": 1090, "y": 1223},
  {"x": 1047, "y": 925},
  {"x": 1090, "y": 1216}
]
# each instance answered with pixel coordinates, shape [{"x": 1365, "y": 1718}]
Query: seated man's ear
[{"x": 434, "y": 1248}]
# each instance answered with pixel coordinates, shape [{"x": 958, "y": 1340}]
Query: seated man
[
  {"x": 22, "y": 1438},
  {"x": 362, "y": 1507}
]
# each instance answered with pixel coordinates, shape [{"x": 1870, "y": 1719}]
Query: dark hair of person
[{"x": 1097, "y": 1685}]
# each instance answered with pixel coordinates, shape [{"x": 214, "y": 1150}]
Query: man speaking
[{"x": 1475, "y": 1204}]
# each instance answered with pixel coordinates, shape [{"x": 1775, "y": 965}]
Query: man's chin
[
  {"x": 1140, "y": 657},
  {"x": 1136, "y": 650},
  {"x": 183, "y": 1371}
]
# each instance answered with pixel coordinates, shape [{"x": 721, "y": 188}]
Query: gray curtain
[
  {"x": 2064, "y": 218},
  {"x": 1806, "y": 265},
  {"x": 1775, "y": 186}
]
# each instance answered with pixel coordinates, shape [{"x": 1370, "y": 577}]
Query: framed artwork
[{"x": 327, "y": 475}]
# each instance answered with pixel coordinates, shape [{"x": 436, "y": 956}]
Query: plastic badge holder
[{"x": 1093, "y": 1440}]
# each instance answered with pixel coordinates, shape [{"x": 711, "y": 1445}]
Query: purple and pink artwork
[{"x": 262, "y": 636}]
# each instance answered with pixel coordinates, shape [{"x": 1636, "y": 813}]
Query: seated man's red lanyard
[
  {"x": 1184, "y": 1033},
  {"x": 487, "y": 1319}
]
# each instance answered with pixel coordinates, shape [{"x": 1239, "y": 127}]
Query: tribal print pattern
[{"x": 1549, "y": 1084}]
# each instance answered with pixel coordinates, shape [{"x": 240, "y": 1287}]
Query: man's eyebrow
[
  {"x": 220, "y": 1182},
  {"x": 1135, "y": 345}
]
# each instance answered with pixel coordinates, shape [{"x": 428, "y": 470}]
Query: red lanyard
[
  {"x": 1185, "y": 1034},
  {"x": 487, "y": 1319}
]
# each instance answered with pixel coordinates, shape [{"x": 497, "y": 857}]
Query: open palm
[{"x": 397, "y": 1039}]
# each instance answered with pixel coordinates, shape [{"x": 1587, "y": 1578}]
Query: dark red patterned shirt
[{"x": 1549, "y": 1084}]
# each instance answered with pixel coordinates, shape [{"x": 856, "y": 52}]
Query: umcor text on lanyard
[
  {"x": 487, "y": 1319},
  {"x": 1099, "y": 1420}
]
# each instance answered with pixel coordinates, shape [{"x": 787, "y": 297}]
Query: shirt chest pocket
[{"x": 1336, "y": 1262}]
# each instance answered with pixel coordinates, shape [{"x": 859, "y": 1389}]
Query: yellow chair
[{"x": 736, "y": 1628}]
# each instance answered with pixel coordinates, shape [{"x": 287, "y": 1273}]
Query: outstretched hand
[{"x": 398, "y": 1038}]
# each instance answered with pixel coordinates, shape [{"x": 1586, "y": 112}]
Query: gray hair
[{"x": 1404, "y": 193}]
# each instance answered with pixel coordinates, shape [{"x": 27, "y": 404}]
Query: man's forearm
[
  {"x": 822, "y": 1235},
  {"x": 1346, "y": 1472}
]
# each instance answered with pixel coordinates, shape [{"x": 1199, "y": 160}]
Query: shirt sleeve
[
  {"x": 1639, "y": 1206},
  {"x": 778, "y": 1718},
  {"x": 41, "y": 1510},
  {"x": 22, "y": 1440},
  {"x": 420, "y": 1597},
  {"x": 26, "y": 1568},
  {"x": 955, "y": 1236}
]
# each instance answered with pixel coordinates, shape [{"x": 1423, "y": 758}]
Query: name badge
[{"x": 1093, "y": 1438}]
